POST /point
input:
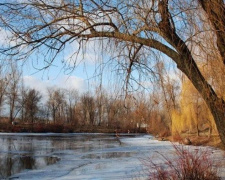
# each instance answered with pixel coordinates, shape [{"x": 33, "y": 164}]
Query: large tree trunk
[
  {"x": 214, "y": 103},
  {"x": 215, "y": 10},
  {"x": 188, "y": 66}
]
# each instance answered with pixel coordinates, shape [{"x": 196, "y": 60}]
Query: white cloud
[
  {"x": 90, "y": 52},
  {"x": 65, "y": 82},
  {"x": 72, "y": 82},
  {"x": 35, "y": 83},
  {"x": 8, "y": 39},
  {"x": 5, "y": 36}
]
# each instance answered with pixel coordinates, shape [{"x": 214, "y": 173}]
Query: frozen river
[{"x": 80, "y": 156}]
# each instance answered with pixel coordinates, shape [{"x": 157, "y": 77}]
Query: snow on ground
[{"x": 107, "y": 159}]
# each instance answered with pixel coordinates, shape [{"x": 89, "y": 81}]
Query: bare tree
[
  {"x": 166, "y": 26},
  {"x": 72, "y": 97},
  {"x": 12, "y": 93},
  {"x": 31, "y": 104},
  {"x": 88, "y": 108},
  {"x": 101, "y": 105},
  {"x": 56, "y": 103},
  {"x": 3, "y": 88}
]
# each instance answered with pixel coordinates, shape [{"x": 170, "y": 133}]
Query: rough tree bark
[{"x": 215, "y": 10}]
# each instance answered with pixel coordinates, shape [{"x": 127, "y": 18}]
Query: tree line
[
  {"x": 171, "y": 107},
  {"x": 24, "y": 105}
]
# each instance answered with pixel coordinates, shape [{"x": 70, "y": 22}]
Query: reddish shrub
[
  {"x": 56, "y": 128},
  {"x": 39, "y": 128},
  {"x": 16, "y": 129},
  {"x": 185, "y": 165},
  {"x": 5, "y": 127},
  {"x": 67, "y": 129}
]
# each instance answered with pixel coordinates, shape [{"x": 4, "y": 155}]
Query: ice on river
[{"x": 85, "y": 156}]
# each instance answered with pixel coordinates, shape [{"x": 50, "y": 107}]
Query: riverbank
[
  {"x": 192, "y": 139},
  {"x": 202, "y": 140},
  {"x": 62, "y": 128}
]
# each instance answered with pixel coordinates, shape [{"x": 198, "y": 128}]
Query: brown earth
[
  {"x": 193, "y": 139},
  {"x": 213, "y": 141}
]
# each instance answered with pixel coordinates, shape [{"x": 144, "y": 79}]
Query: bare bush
[{"x": 187, "y": 164}]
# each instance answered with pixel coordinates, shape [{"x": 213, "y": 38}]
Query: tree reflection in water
[{"x": 19, "y": 153}]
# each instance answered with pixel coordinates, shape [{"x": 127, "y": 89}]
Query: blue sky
[
  {"x": 55, "y": 75},
  {"x": 86, "y": 75},
  {"x": 83, "y": 78}
]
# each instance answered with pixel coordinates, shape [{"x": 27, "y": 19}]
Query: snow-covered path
[{"x": 90, "y": 156}]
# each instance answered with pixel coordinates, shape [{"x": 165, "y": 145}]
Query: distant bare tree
[
  {"x": 101, "y": 105},
  {"x": 31, "y": 104},
  {"x": 3, "y": 88},
  {"x": 12, "y": 93},
  {"x": 56, "y": 103},
  {"x": 88, "y": 108},
  {"x": 72, "y": 97}
]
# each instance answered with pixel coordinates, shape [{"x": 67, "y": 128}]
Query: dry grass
[
  {"x": 186, "y": 165},
  {"x": 213, "y": 141}
]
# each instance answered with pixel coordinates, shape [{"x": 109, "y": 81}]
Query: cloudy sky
[
  {"x": 85, "y": 76},
  {"x": 61, "y": 72},
  {"x": 87, "y": 72}
]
